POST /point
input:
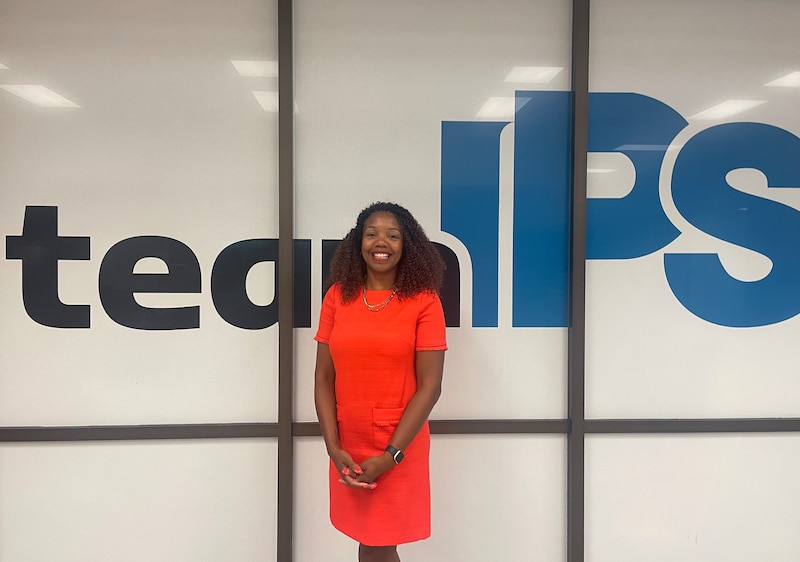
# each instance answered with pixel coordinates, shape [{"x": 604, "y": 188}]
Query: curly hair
[{"x": 420, "y": 269}]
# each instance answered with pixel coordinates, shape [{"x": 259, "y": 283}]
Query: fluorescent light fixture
[
  {"x": 791, "y": 80},
  {"x": 3, "y": 67},
  {"x": 39, "y": 95},
  {"x": 499, "y": 108},
  {"x": 255, "y": 68},
  {"x": 726, "y": 109},
  {"x": 601, "y": 170},
  {"x": 267, "y": 100},
  {"x": 533, "y": 74}
]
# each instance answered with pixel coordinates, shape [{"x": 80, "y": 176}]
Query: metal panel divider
[
  {"x": 576, "y": 380},
  {"x": 285, "y": 291}
]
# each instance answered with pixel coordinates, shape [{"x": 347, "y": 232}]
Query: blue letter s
[{"x": 704, "y": 198}]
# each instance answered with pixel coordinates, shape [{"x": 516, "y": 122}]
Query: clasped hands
[{"x": 362, "y": 475}]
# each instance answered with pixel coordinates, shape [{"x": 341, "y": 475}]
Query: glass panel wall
[
  {"x": 693, "y": 220},
  {"x": 505, "y": 503},
  {"x": 130, "y": 501},
  {"x": 691, "y": 280},
  {"x": 139, "y": 210},
  {"x": 692, "y": 498},
  {"x": 460, "y": 113},
  {"x": 443, "y": 110},
  {"x": 138, "y": 206}
]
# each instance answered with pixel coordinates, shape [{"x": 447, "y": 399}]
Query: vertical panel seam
[
  {"x": 285, "y": 484},
  {"x": 576, "y": 382}
]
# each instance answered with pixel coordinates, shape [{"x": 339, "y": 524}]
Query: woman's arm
[
  {"x": 325, "y": 396},
  {"x": 429, "y": 368},
  {"x": 325, "y": 402}
]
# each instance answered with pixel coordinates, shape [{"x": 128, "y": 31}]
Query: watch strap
[{"x": 397, "y": 454}]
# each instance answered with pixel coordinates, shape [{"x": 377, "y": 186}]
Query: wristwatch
[{"x": 397, "y": 454}]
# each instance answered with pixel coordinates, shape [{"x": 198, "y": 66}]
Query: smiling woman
[{"x": 378, "y": 375}]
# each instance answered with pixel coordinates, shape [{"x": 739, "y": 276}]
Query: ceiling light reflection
[
  {"x": 727, "y": 109},
  {"x": 791, "y": 80},
  {"x": 533, "y": 74},
  {"x": 501, "y": 107},
  {"x": 256, "y": 68},
  {"x": 39, "y": 95},
  {"x": 642, "y": 147},
  {"x": 3, "y": 67},
  {"x": 267, "y": 100},
  {"x": 497, "y": 108}
]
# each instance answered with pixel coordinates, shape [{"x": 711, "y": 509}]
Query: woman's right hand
[{"x": 348, "y": 470}]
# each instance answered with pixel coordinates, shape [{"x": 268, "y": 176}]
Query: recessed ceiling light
[
  {"x": 264, "y": 68},
  {"x": 39, "y": 95},
  {"x": 791, "y": 80},
  {"x": 727, "y": 109},
  {"x": 533, "y": 74}
]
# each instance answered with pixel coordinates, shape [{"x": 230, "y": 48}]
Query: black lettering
[
  {"x": 229, "y": 284},
  {"x": 301, "y": 276},
  {"x": 451, "y": 286},
  {"x": 328, "y": 249},
  {"x": 40, "y": 248},
  {"x": 118, "y": 283}
]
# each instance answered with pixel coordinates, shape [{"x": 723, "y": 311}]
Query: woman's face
[{"x": 381, "y": 243}]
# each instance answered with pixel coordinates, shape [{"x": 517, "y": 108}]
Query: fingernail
[
  {"x": 346, "y": 471},
  {"x": 358, "y": 470},
  {"x": 373, "y": 486},
  {"x": 341, "y": 481}
]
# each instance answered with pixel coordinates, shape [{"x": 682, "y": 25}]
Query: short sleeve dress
[{"x": 374, "y": 356}]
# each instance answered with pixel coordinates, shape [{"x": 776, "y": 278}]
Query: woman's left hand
[{"x": 374, "y": 466}]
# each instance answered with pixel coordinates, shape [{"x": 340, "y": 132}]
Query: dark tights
[{"x": 377, "y": 553}]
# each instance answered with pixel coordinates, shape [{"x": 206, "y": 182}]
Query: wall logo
[{"x": 636, "y": 225}]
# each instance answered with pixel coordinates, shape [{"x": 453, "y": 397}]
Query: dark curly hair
[{"x": 420, "y": 269}]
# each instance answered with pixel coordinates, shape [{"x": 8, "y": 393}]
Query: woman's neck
[{"x": 379, "y": 282}]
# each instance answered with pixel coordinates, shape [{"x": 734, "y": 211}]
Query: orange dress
[{"x": 374, "y": 356}]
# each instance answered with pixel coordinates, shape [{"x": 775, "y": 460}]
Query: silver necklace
[{"x": 381, "y": 305}]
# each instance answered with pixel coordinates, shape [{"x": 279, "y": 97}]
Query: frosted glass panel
[
  {"x": 508, "y": 503},
  {"x": 692, "y": 498},
  {"x": 134, "y": 156},
  {"x": 203, "y": 501},
  {"x": 440, "y": 108},
  {"x": 694, "y": 216}
]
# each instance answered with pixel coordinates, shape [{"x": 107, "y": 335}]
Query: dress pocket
[{"x": 384, "y": 422}]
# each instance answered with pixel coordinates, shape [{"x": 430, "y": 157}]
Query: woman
[{"x": 380, "y": 356}]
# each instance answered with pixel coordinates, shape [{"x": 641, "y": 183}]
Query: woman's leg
[{"x": 377, "y": 553}]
